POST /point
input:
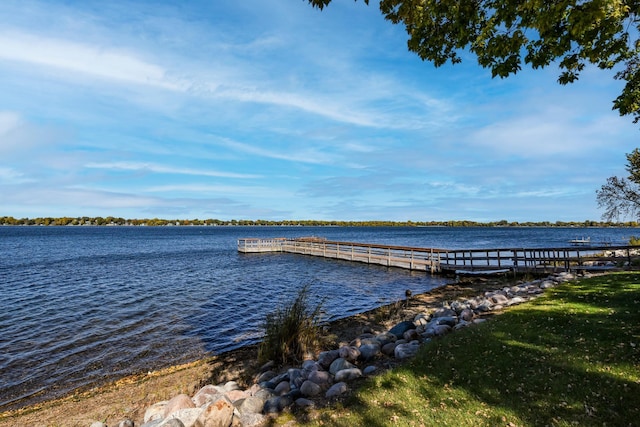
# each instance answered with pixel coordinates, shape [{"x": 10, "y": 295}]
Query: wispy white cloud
[
  {"x": 103, "y": 62},
  {"x": 11, "y": 176},
  {"x": 162, "y": 169},
  {"x": 203, "y": 189},
  {"x": 300, "y": 155},
  {"x": 8, "y": 122}
]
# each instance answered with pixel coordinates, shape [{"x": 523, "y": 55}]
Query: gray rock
[
  {"x": 405, "y": 351},
  {"x": 339, "y": 364},
  {"x": 369, "y": 370},
  {"x": 547, "y": 284},
  {"x": 440, "y": 330},
  {"x": 388, "y": 349},
  {"x": 326, "y": 358},
  {"x": 125, "y": 423},
  {"x": 187, "y": 417},
  {"x": 264, "y": 394},
  {"x": 411, "y": 334},
  {"x": 402, "y": 327},
  {"x": 309, "y": 388},
  {"x": 516, "y": 300},
  {"x": 369, "y": 351},
  {"x": 349, "y": 353},
  {"x": 267, "y": 385},
  {"x": 466, "y": 314},
  {"x": 421, "y": 319},
  {"x": 231, "y": 386},
  {"x": 385, "y": 338},
  {"x": 472, "y": 303},
  {"x": 444, "y": 312},
  {"x": 251, "y": 420},
  {"x": 295, "y": 394},
  {"x": 369, "y": 341},
  {"x": 252, "y": 405},
  {"x": 484, "y": 307},
  {"x": 309, "y": 365},
  {"x": 447, "y": 320},
  {"x": 294, "y": 375},
  {"x": 461, "y": 324},
  {"x": 279, "y": 378},
  {"x": 277, "y": 404},
  {"x": 428, "y": 333},
  {"x": 304, "y": 403},
  {"x": 320, "y": 377},
  {"x": 498, "y": 299},
  {"x": 336, "y": 390},
  {"x": 155, "y": 423},
  {"x": 356, "y": 342},
  {"x": 172, "y": 422},
  {"x": 458, "y": 307},
  {"x": 266, "y": 376},
  {"x": 282, "y": 388},
  {"x": 348, "y": 374}
]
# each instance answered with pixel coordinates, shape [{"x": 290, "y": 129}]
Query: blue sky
[{"x": 274, "y": 110}]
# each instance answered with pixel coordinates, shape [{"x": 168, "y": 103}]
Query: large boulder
[
  {"x": 326, "y": 358},
  {"x": 402, "y": 327},
  {"x": 309, "y": 388},
  {"x": 349, "y": 353},
  {"x": 322, "y": 378},
  {"x": 336, "y": 390},
  {"x": 217, "y": 414},
  {"x": 340, "y": 364},
  {"x": 405, "y": 351},
  {"x": 348, "y": 374},
  {"x": 176, "y": 403},
  {"x": 369, "y": 351}
]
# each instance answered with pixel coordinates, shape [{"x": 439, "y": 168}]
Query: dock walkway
[{"x": 450, "y": 261}]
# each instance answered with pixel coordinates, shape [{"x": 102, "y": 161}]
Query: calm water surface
[{"x": 81, "y": 306}]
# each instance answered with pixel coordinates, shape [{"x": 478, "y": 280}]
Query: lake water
[{"x": 81, "y": 306}]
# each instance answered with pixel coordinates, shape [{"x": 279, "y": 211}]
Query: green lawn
[{"x": 571, "y": 357}]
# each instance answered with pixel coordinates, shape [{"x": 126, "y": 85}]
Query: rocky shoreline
[{"x": 330, "y": 374}]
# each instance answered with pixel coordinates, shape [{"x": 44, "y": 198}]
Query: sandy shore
[{"x": 131, "y": 396}]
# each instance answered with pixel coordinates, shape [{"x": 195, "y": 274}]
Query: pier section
[{"x": 452, "y": 261}]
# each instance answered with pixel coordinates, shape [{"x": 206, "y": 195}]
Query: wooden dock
[{"x": 447, "y": 261}]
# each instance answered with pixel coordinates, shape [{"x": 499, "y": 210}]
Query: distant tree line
[{"x": 113, "y": 221}]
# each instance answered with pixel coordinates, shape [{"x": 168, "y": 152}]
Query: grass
[
  {"x": 571, "y": 357},
  {"x": 291, "y": 331}
]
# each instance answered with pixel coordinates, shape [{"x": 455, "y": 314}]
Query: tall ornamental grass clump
[
  {"x": 291, "y": 331},
  {"x": 634, "y": 241}
]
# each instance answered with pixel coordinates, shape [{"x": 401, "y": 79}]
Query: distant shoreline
[{"x": 110, "y": 221}]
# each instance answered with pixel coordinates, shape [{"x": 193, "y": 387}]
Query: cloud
[
  {"x": 11, "y": 176},
  {"x": 308, "y": 155},
  {"x": 19, "y": 136},
  {"x": 157, "y": 168},
  {"x": 75, "y": 57},
  {"x": 9, "y": 121}
]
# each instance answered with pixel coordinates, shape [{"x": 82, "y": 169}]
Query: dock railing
[
  {"x": 436, "y": 260},
  {"x": 261, "y": 245}
]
